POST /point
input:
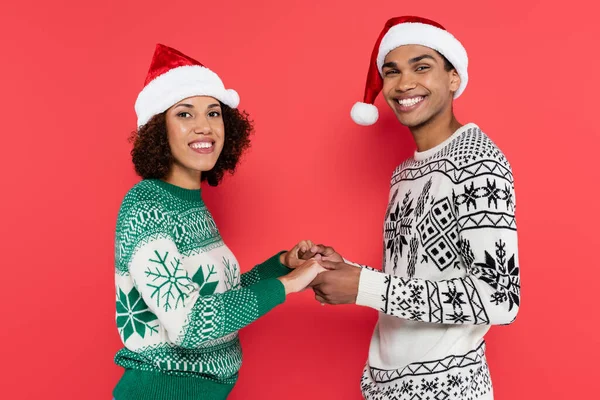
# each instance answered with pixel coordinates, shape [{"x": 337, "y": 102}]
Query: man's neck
[{"x": 434, "y": 132}]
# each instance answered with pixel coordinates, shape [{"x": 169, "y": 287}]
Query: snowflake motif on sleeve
[
  {"x": 489, "y": 191},
  {"x": 502, "y": 275},
  {"x": 492, "y": 193},
  {"x": 454, "y": 297},
  {"x": 133, "y": 315},
  {"x": 207, "y": 287},
  {"x": 507, "y": 195},
  {"x": 170, "y": 282},
  {"x": 469, "y": 197}
]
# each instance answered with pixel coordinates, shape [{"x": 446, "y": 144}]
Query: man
[{"x": 450, "y": 242}]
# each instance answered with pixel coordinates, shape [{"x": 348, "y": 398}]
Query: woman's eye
[
  {"x": 214, "y": 114},
  {"x": 184, "y": 114}
]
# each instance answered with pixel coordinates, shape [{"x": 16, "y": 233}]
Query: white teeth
[
  {"x": 411, "y": 101},
  {"x": 201, "y": 145}
]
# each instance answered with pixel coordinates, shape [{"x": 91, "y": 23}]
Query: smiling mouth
[
  {"x": 406, "y": 104},
  {"x": 202, "y": 145}
]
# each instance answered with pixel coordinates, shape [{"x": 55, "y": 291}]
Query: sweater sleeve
[
  {"x": 490, "y": 291},
  {"x": 189, "y": 317},
  {"x": 359, "y": 265},
  {"x": 272, "y": 268}
]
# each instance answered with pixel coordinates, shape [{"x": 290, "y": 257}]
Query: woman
[{"x": 180, "y": 296}]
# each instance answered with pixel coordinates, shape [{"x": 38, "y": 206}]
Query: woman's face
[{"x": 196, "y": 135}]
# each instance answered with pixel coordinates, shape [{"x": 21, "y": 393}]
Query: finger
[
  {"x": 308, "y": 255},
  {"x": 304, "y": 245},
  {"x": 295, "y": 250},
  {"x": 323, "y": 250},
  {"x": 305, "y": 251},
  {"x": 320, "y": 299},
  {"x": 318, "y": 248}
]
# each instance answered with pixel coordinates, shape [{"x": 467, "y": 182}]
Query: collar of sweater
[
  {"x": 423, "y": 155},
  {"x": 193, "y": 195}
]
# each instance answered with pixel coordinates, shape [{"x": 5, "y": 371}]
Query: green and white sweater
[{"x": 180, "y": 297}]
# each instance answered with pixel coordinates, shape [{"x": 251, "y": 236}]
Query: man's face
[{"x": 417, "y": 86}]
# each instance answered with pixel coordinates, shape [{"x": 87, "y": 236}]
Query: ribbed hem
[
  {"x": 269, "y": 293},
  {"x": 371, "y": 288},
  {"x": 272, "y": 268},
  {"x": 423, "y": 155},
  {"x": 194, "y": 195},
  {"x": 143, "y": 385}
]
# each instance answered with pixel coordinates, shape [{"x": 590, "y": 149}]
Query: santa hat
[
  {"x": 172, "y": 77},
  {"x": 402, "y": 31}
]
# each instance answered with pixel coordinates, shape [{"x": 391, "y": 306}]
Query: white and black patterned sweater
[{"x": 450, "y": 271}]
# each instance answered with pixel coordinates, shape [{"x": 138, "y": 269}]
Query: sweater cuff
[
  {"x": 272, "y": 268},
  {"x": 351, "y": 263},
  {"x": 269, "y": 293},
  {"x": 371, "y": 288}
]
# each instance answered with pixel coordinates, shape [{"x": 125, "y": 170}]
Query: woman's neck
[{"x": 183, "y": 177}]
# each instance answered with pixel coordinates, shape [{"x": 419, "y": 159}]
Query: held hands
[
  {"x": 333, "y": 281},
  {"x": 301, "y": 276},
  {"x": 337, "y": 285},
  {"x": 294, "y": 258},
  {"x": 320, "y": 251}
]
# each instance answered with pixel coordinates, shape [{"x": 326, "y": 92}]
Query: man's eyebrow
[{"x": 419, "y": 58}]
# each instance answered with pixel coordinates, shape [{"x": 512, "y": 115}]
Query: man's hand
[
  {"x": 337, "y": 285},
  {"x": 325, "y": 252},
  {"x": 292, "y": 258}
]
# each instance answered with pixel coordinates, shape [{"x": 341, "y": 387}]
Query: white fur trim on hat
[
  {"x": 178, "y": 84},
  {"x": 364, "y": 114},
  {"x": 428, "y": 36}
]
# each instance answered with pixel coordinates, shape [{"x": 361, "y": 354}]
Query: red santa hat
[
  {"x": 172, "y": 77},
  {"x": 402, "y": 31}
]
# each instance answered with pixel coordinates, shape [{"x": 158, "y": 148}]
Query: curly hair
[{"x": 151, "y": 153}]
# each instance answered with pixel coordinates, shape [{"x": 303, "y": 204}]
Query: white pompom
[
  {"x": 364, "y": 114},
  {"x": 234, "y": 98}
]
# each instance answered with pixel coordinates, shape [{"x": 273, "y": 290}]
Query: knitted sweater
[
  {"x": 450, "y": 271},
  {"x": 180, "y": 297}
]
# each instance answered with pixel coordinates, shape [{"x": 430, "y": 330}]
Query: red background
[{"x": 71, "y": 71}]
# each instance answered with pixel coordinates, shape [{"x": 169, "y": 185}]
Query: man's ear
[{"x": 454, "y": 80}]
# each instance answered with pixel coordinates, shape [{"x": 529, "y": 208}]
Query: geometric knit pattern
[
  {"x": 180, "y": 297},
  {"x": 450, "y": 257},
  {"x": 438, "y": 379}
]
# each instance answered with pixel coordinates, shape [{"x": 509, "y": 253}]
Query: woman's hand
[
  {"x": 292, "y": 258},
  {"x": 301, "y": 277},
  {"x": 320, "y": 251}
]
